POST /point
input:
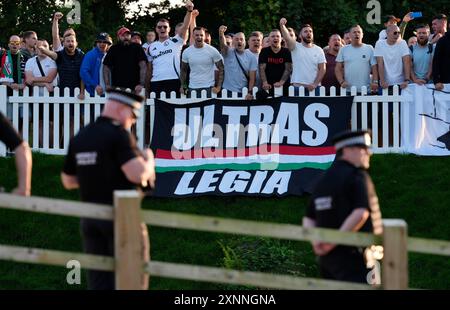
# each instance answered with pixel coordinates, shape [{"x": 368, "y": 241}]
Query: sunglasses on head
[{"x": 161, "y": 27}]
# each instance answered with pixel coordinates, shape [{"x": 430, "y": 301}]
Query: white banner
[{"x": 428, "y": 117}]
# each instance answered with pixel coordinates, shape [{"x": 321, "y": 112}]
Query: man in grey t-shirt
[
  {"x": 355, "y": 62},
  {"x": 422, "y": 56},
  {"x": 240, "y": 64}
]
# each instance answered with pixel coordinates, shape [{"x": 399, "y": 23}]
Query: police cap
[
  {"x": 352, "y": 138},
  {"x": 126, "y": 97}
]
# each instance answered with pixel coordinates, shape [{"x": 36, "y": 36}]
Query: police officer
[
  {"x": 103, "y": 157},
  {"x": 13, "y": 141},
  {"x": 345, "y": 199}
]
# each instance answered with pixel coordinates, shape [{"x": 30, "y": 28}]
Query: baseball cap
[
  {"x": 122, "y": 31},
  {"x": 126, "y": 97},
  {"x": 103, "y": 37},
  {"x": 352, "y": 138}
]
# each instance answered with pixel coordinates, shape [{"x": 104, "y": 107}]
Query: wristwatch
[{"x": 375, "y": 81}]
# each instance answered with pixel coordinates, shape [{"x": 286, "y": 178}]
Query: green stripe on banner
[{"x": 253, "y": 166}]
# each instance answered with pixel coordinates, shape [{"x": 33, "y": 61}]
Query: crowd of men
[{"x": 280, "y": 59}]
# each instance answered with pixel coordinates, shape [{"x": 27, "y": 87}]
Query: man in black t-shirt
[
  {"x": 13, "y": 141},
  {"x": 125, "y": 64},
  {"x": 345, "y": 199},
  {"x": 103, "y": 157},
  {"x": 275, "y": 64}
]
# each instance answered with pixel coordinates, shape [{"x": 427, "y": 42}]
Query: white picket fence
[{"x": 48, "y": 121}]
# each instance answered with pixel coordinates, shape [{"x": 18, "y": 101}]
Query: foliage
[{"x": 326, "y": 16}]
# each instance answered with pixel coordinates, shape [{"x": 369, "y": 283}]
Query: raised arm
[
  {"x": 187, "y": 20},
  {"x": 192, "y": 25},
  {"x": 55, "y": 31},
  {"x": 222, "y": 40},
  {"x": 48, "y": 52},
  {"x": 286, "y": 36}
]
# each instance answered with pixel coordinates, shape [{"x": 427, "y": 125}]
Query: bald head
[
  {"x": 14, "y": 44},
  {"x": 393, "y": 34}
]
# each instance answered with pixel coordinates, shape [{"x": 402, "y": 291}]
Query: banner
[
  {"x": 278, "y": 147},
  {"x": 429, "y": 120}
]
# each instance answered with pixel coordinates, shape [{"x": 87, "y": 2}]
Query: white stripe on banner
[
  {"x": 429, "y": 119},
  {"x": 282, "y": 159}
]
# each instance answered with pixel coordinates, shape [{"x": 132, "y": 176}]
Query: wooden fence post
[
  {"x": 395, "y": 258},
  {"x": 129, "y": 261}
]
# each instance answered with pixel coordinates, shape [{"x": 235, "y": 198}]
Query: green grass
[{"x": 409, "y": 187}]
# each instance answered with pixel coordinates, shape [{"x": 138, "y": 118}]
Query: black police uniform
[
  {"x": 342, "y": 189},
  {"x": 8, "y": 134},
  {"x": 95, "y": 157}
]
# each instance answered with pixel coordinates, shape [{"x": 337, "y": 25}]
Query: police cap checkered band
[
  {"x": 352, "y": 138},
  {"x": 130, "y": 99}
]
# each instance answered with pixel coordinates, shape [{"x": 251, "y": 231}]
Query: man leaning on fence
[
  {"x": 103, "y": 157},
  {"x": 345, "y": 199}
]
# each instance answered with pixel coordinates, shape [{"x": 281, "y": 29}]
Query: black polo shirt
[
  {"x": 96, "y": 155},
  {"x": 123, "y": 61},
  {"x": 342, "y": 189},
  {"x": 69, "y": 68},
  {"x": 8, "y": 134}
]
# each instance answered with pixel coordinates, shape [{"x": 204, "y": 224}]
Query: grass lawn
[{"x": 416, "y": 189}]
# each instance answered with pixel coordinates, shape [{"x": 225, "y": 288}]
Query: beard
[
  {"x": 307, "y": 40},
  {"x": 422, "y": 42}
]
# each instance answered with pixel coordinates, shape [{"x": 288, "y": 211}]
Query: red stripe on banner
[{"x": 244, "y": 152}]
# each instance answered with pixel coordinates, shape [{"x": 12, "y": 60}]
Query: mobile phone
[{"x": 416, "y": 14}]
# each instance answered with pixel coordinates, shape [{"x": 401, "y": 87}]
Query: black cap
[
  {"x": 136, "y": 33},
  {"x": 103, "y": 37},
  {"x": 261, "y": 95},
  {"x": 126, "y": 97},
  {"x": 352, "y": 138}
]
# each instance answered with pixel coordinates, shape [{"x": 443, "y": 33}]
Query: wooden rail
[{"x": 130, "y": 267}]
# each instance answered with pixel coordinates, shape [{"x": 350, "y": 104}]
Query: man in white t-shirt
[
  {"x": 202, "y": 59},
  {"x": 164, "y": 55},
  {"x": 393, "y": 59},
  {"x": 308, "y": 59},
  {"x": 45, "y": 76},
  {"x": 355, "y": 62},
  {"x": 240, "y": 64}
]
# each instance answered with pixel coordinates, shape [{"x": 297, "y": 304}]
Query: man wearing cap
[
  {"x": 101, "y": 158},
  {"x": 90, "y": 67},
  {"x": 125, "y": 65},
  {"x": 345, "y": 199},
  {"x": 136, "y": 37}
]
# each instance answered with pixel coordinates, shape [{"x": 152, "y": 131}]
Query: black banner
[{"x": 235, "y": 147}]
